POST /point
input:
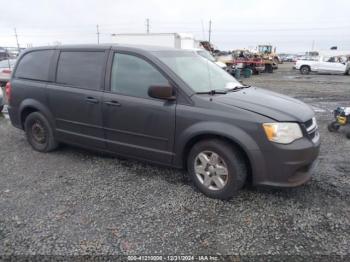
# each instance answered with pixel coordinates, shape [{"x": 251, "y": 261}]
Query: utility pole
[
  {"x": 98, "y": 34},
  {"x": 147, "y": 25},
  {"x": 16, "y": 39},
  {"x": 209, "y": 30},
  {"x": 313, "y": 45}
]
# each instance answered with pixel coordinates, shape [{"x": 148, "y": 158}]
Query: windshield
[
  {"x": 200, "y": 74},
  {"x": 265, "y": 49},
  {"x": 206, "y": 55},
  {"x": 7, "y": 63}
]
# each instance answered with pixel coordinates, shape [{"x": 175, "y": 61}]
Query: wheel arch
[
  {"x": 194, "y": 140},
  {"x": 29, "y": 106},
  {"x": 232, "y": 135},
  {"x": 304, "y": 65}
]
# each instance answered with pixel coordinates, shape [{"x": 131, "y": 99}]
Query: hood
[{"x": 267, "y": 103}]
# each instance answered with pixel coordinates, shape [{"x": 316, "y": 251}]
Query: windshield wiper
[
  {"x": 222, "y": 91},
  {"x": 212, "y": 92},
  {"x": 236, "y": 88}
]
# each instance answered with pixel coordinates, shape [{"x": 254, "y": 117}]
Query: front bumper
[{"x": 288, "y": 165}]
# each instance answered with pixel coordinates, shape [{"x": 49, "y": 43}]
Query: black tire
[
  {"x": 269, "y": 68},
  {"x": 233, "y": 160},
  {"x": 305, "y": 70},
  {"x": 333, "y": 127},
  {"x": 1, "y": 108},
  {"x": 39, "y": 133}
]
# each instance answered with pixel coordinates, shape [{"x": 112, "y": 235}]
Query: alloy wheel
[{"x": 211, "y": 170}]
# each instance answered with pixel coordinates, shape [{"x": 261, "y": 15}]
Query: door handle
[
  {"x": 112, "y": 103},
  {"x": 91, "y": 100}
]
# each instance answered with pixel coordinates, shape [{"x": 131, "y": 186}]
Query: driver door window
[
  {"x": 326, "y": 59},
  {"x": 331, "y": 64},
  {"x": 132, "y": 76}
]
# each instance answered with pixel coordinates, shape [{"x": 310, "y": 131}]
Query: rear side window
[
  {"x": 35, "y": 65},
  {"x": 80, "y": 69}
]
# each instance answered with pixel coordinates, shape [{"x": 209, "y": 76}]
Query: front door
[
  {"x": 332, "y": 65},
  {"x": 135, "y": 124}
]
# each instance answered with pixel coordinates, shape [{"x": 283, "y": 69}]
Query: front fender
[{"x": 233, "y": 133}]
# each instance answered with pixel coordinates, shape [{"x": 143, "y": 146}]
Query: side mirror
[{"x": 162, "y": 92}]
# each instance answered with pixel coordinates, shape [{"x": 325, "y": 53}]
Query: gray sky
[{"x": 288, "y": 25}]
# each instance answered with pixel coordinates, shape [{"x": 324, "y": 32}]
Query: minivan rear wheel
[
  {"x": 217, "y": 168},
  {"x": 39, "y": 133}
]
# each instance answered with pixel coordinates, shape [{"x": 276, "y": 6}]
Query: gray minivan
[{"x": 166, "y": 106}]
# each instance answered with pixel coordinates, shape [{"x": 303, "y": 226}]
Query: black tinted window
[
  {"x": 133, "y": 76},
  {"x": 80, "y": 69},
  {"x": 35, "y": 65}
]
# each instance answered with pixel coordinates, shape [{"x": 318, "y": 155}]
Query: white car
[{"x": 330, "y": 64}]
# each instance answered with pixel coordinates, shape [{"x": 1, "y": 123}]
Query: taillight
[{"x": 8, "y": 92}]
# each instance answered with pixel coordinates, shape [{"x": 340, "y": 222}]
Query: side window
[
  {"x": 80, "y": 69},
  {"x": 332, "y": 59},
  {"x": 35, "y": 65},
  {"x": 342, "y": 59},
  {"x": 133, "y": 76},
  {"x": 326, "y": 59}
]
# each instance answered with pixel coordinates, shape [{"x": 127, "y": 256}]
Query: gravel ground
[{"x": 75, "y": 202}]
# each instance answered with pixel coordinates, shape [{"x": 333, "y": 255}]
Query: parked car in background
[
  {"x": 180, "y": 110},
  {"x": 325, "y": 63},
  {"x": 288, "y": 58},
  {"x": 6, "y": 67},
  {"x": 3, "y": 54},
  {"x": 13, "y": 52}
]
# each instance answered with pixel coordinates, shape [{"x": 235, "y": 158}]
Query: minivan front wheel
[
  {"x": 217, "y": 168},
  {"x": 39, "y": 133}
]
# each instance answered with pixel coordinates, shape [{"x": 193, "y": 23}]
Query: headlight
[{"x": 283, "y": 133}]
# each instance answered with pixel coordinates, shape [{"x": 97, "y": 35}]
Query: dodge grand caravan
[{"x": 165, "y": 106}]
